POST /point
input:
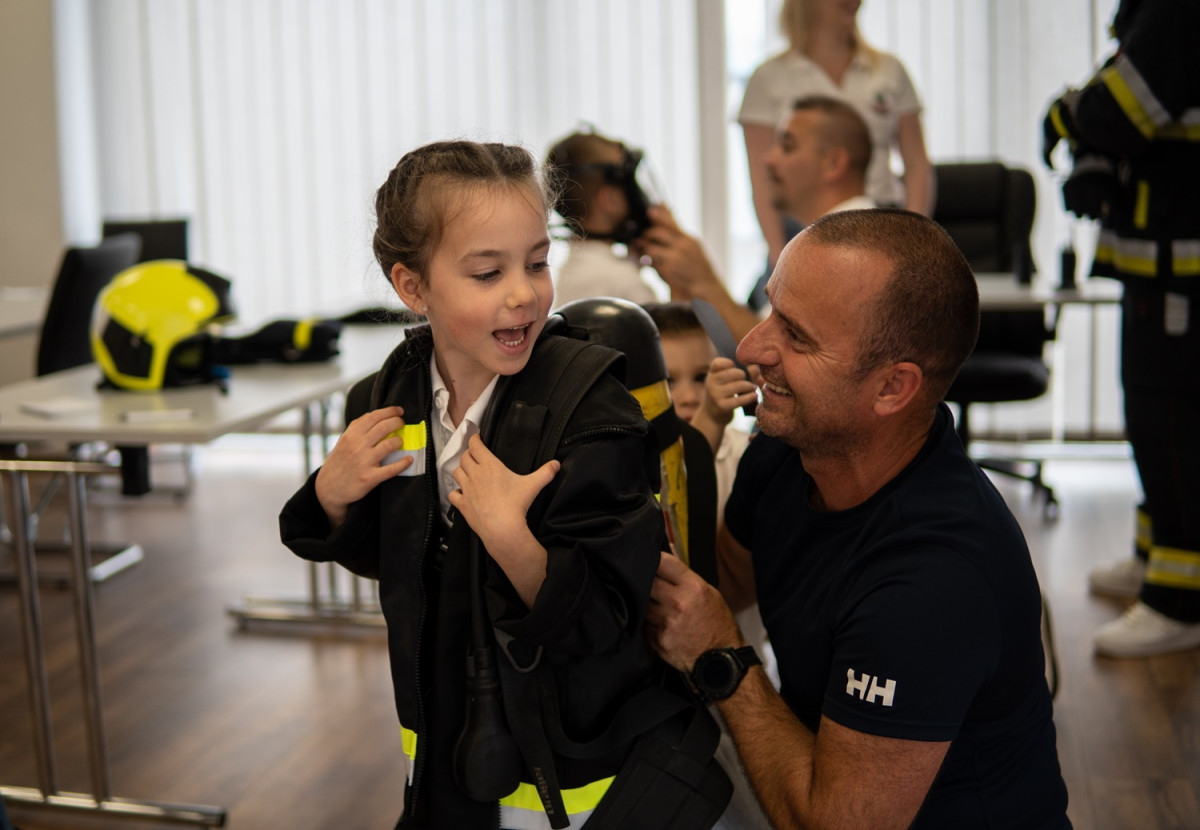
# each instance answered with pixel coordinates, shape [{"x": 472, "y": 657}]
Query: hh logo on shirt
[{"x": 868, "y": 688}]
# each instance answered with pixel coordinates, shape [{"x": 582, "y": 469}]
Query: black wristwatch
[{"x": 718, "y": 671}]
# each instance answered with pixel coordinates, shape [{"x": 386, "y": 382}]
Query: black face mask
[
  {"x": 637, "y": 220},
  {"x": 624, "y": 175}
]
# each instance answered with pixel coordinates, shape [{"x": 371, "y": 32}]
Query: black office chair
[
  {"x": 161, "y": 238},
  {"x": 988, "y": 209},
  {"x": 65, "y": 339}
]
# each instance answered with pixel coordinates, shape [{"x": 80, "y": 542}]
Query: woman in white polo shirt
[{"x": 828, "y": 56}]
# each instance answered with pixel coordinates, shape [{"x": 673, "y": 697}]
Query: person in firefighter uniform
[{"x": 1134, "y": 134}]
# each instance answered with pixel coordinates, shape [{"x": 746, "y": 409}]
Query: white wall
[{"x": 31, "y": 231}]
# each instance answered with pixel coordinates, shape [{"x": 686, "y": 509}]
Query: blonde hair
[{"x": 793, "y": 22}]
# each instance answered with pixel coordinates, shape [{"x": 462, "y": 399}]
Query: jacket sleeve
[
  {"x": 1145, "y": 87},
  {"x": 603, "y": 529},
  {"x": 304, "y": 530}
]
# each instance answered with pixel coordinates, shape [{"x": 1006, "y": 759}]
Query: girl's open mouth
[{"x": 512, "y": 337}]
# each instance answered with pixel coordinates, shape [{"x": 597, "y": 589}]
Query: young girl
[{"x": 462, "y": 237}]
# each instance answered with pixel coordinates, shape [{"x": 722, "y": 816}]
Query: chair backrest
[
  {"x": 65, "y": 339},
  {"x": 161, "y": 238},
  {"x": 988, "y": 209}
]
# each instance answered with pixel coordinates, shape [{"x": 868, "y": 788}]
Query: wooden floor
[{"x": 292, "y": 732}]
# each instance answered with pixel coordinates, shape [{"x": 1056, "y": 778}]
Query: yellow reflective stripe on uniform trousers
[
  {"x": 1174, "y": 568},
  {"x": 1134, "y": 96},
  {"x": 1185, "y": 257},
  {"x": 1142, "y": 531},
  {"x": 523, "y": 810},
  {"x": 1131, "y": 256}
]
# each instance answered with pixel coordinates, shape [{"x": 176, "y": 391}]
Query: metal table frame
[{"x": 100, "y": 801}]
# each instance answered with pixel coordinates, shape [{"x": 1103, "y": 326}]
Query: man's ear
[
  {"x": 900, "y": 384},
  {"x": 836, "y": 162},
  {"x": 408, "y": 288}
]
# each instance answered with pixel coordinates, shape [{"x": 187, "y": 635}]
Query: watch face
[{"x": 715, "y": 672}]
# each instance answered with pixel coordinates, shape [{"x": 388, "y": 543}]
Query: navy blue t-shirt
[{"x": 915, "y": 615}]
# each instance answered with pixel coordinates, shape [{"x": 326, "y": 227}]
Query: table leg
[
  {"x": 321, "y": 608},
  {"x": 47, "y": 795}
]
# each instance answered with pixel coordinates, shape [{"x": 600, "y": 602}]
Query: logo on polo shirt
[{"x": 870, "y": 688}]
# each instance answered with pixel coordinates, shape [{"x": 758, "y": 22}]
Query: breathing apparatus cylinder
[{"x": 629, "y": 328}]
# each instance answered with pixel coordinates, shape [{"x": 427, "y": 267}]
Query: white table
[
  {"x": 1001, "y": 292},
  {"x": 255, "y": 394}
]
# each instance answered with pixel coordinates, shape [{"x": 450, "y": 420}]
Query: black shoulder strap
[
  {"x": 702, "y": 502},
  {"x": 540, "y": 400}
]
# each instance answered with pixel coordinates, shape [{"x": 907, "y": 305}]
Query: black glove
[
  {"x": 1058, "y": 124},
  {"x": 1091, "y": 188}
]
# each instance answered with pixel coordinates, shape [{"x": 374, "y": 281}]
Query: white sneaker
[
  {"x": 1142, "y": 631},
  {"x": 1122, "y": 580}
]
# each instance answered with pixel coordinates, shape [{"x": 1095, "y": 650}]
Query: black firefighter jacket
[{"x": 603, "y": 530}]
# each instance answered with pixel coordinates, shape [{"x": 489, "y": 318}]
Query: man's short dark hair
[
  {"x": 843, "y": 126},
  {"x": 928, "y": 312}
]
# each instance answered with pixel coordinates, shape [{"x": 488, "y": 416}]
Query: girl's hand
[
  {"x": 355, "y": 466},
  {"x": 494, "y": 500},
  {"x": 725, "y": 389}
]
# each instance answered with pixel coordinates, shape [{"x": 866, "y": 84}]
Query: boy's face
[{"x": 687, "y": 357}]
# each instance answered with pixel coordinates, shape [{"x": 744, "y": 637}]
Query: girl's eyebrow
[{"x": 492, "y": 254}]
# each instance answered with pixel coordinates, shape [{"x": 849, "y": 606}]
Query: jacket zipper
[{"x": 594, "y": 431}]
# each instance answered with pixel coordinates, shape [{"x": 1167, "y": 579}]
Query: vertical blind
[{"x": 269, "y": 123}]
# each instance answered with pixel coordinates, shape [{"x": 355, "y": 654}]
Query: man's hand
[
  {"x": 677, "y": 257},
  {"x": 355, "y": 466},
  {"x": 686, "y": 616}
]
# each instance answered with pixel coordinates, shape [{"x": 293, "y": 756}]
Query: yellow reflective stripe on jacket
[
  {"x": 1174, "y": 568},
  {"x": 1141, "y": 207},
  {"x": 1134, "y": 96},
  {"x": 1056, "y": 120},
  {"x": 408, "y": 742},
  {"x": 413, "y": 436},
  {"x": 523, "y": 809},
  {"x": 1184, "y": 128},
  {"x": 1131, "y": 256},
  {"x": 1185, "y": 257},
  {"x": 654, "y": 399}
]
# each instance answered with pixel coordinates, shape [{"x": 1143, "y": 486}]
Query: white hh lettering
[
  {"x": 855, "y": 685},
  {"x": 887, "y": 691},
  {"x": 869, "y": 689}
]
